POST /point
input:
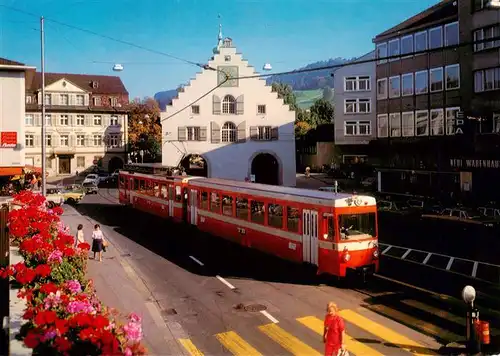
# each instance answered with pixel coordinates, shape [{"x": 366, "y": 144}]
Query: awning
[{"x": 11, "y": 171}]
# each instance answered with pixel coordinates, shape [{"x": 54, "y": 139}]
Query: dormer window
[
  {"x": 28, "y": 99},
  {"x": 95, "y": 84},
  {"x": 228, "y": 43},
  {"x": 227, "y": 58},
  {"x": 113, "y": 101},
  {"x": 96, "y": 100}
]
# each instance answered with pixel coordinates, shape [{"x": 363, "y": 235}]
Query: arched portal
[
  {"x": 195, "y": 165},
  {"x": 265, "y": 168},
  {"x": 114, "y": 164}
]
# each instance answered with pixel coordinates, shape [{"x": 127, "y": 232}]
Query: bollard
[{"x": 472, "y": 320}]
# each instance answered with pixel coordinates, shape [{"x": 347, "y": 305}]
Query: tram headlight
[
  {"x": 376, "y": 253},
  {"x": 346, "y": 257}
]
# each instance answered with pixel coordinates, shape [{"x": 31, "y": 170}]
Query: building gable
[{"x": 65, "y": 86}]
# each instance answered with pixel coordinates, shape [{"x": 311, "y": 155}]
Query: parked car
[
  {"x": 73, "y": 194},
  {"x": 103, "y": 177},
  {"x": 90, "y": 187},
  {"x": 54, "y": 197},
  {"x": 91, "y": 178}
]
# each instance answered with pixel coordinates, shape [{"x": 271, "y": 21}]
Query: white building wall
[
  {"x": 230, "y": 160},
  {"x": 341, "y": 116},
  {"x": 12, "y": 86}
]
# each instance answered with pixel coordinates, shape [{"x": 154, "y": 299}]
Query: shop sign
[
  {"x": 474, "y": 163},
  {"x": 8, "y": 139}
]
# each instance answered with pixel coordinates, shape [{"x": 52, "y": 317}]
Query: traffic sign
[{"x": 94, "y": 161}]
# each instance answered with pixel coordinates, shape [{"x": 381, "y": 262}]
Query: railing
[{"x": 486, "y": 272}]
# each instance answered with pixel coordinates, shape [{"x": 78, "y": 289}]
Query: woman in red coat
[{"x": 334, "y": 331}]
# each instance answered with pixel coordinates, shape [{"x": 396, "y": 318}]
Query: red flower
[
  {"x": 100, "y": 322},
  {"x": 57, "y": 210},
  {"x": 28, "y": 314},
  {"x": 45, "y": 317},
  {"x": 80, "y": 320},
  {"x": 43, "y": 270},
  {"x": 32, "y": 339},
  {"x": 84, "y": 246},
  {"x": 48, "y": 288},
  {"x": 68, "y": 251},
  {"x": 62, "y": 344},
  {"x": 61, "y": 326},
  {"x": 28, "y": 246},
  {"x": 26, "y": 277}
]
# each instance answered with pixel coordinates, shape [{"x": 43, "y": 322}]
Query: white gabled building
[{"x": 242, "y": 130}]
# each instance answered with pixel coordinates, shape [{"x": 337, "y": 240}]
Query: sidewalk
[
  {"x": 119, "y": 287},
  {"x": 16, "y": 309}
]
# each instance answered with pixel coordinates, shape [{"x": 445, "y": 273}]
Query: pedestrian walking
[
  {"x": 97, "y": 242},
  {"x": 79, "y": 238},
  {"x": 334, "y": 332}
]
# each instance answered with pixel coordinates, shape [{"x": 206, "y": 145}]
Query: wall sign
[
  {"x": 474, "y": 163},
  {"x": 8, "y": 139}
]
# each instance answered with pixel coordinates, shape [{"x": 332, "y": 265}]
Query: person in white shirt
[
  {"x": 79, "y": 238},
  {"x": 97, "y": 241}
]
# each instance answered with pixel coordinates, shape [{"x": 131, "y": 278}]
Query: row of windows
[
  {"x": 440, "y": 78},
  {"x": 484, "y": 34},
  {"x": 81, "y": 140},
  {"x": 78, "y": 120},
  {"x": 418, "y": 123},
  {"x": 487, "y": 79},
  {"x": 436, "y": 37},
  {"x": 229, "y": 133},
  {"x": 229, "y": 106},
  {"x": 64, "y": 100},
  {"x": 359, "y": 83},
  {"x": 357, "y": 106},
  {"x": 357, "y": 128}
]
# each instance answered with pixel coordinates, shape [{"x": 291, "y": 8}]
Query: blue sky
[{"x": 286, "y": 33}]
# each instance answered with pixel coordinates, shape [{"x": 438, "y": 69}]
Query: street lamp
[{"x": 473, "y": 342}]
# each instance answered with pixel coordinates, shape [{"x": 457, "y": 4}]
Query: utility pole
[{"x": 44, "y": 147}]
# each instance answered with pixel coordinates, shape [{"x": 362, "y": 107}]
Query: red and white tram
[{"x": 335, "y": 232}]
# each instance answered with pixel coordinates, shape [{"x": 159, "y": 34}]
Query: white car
[{"x": 91, "y": 178}]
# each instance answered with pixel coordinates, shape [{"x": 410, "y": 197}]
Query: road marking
[
  {"x": 190, "y": 347},
  {"x": 236, "y": 345},
  {"x": 269, "y": 316},
  {"x": 351, "y": 344},
  {"x": 197, "y": 261},
  {"x": 287, "y": 340},
  {"x": 385, "y": 333},
  {"x": 225, "y": 282}
]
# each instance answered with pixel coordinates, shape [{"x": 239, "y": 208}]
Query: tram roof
[{"x": 264, "y": 189}]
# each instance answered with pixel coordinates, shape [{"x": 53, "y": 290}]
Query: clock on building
[{"x": 230, "y": 72}]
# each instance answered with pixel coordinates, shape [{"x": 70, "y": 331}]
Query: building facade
[
  {"x": 86, "y": 120},
  {"x": 355, "y": 107},
  {"x": 241, "y": 130},
  {"x": 12, "y": 110}
]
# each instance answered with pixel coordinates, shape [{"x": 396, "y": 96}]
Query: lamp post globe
[{"x": 469, "y": 294}]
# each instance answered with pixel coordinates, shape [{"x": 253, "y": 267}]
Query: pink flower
[
  {"x": 133, "y": 317},
  {"x": 128, "y": 352},
  {"x": 74, "y": 286},
  {"x": 80, "y": 307},
  {"x": 133, "y": 331},
  {"x": 56, "y": 256},
  {"x": 49, "y": 335},
  {"x": 52, "y": 300}
]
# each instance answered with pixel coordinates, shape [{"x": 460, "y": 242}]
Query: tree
[
  {"x": 328, "y": 94},
  {"x": 286, "y": 93},
  {"x": 322, "y": 112},
  {"x": 301, "y": 128},
  {"x": 144, "y": 127}
]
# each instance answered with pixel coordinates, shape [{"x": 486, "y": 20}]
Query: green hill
[{"x": 306, "y": 98}]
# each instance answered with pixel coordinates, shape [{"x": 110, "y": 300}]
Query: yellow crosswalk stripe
[
  {"x": 385, "y": 333},
  {"x": 352, "y": 345},
  {"x": 190, "y": 347},
  {"x": 287, "y": 340},
  {"x": 236, "y": 345}
]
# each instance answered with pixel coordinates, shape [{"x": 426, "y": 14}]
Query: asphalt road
[{"x": 214, "y": 289}]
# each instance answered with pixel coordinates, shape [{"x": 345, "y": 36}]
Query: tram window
[
  {"x": 170, "y": 192},
  {"x": 215, "y": 202},
  {"x": 227, "y": 205},
  {"x": 204, "y": 200},
  {"x": 293, "y": 217},
  {"x": 142, "y": 186},
  {"x": 275, "y": 215},
  {"x": 164, "y": 191},
  {"x": 178, "y": 194},
  {"x": 136, "y": 184},
  {"x": 242, "y": 208},
  {"x": 122, "y": 181},
  {"x": 258, "y": 211},
  {"x": 156, "y": 189},
  {"x": 330, "y": 227}
]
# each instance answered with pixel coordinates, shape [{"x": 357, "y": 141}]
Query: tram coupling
[{"x": 361, "y": 273}]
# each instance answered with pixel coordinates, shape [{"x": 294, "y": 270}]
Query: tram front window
[{"x": 357, "y": 226}]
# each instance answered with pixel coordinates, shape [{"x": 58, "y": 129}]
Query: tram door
[
  {"x": 193, "y": 205},
  {"x": 310, "y": 236},
  {"x": 170, "y": 200},
  {"x": 129, "y": 189}
]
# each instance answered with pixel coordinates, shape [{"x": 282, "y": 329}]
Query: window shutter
[
  {"x": 181, "y": 133},
  {"x": 71, "y": 120},
  {"x": 87, "y": 140},
  {"x": 216, "y": 104},
  {"x": 71, "y": 140},
  {"x": 52, "y": 120},
  {"x": 254, "y": 132},
  {"x": 242, "y": 132},
  {"x": 203, "y": 133},
  {"x": 54, "y": 99},
  {"x": 106, "y": 121},
  {"x": 87, "y": 120},
  {"x": 55, "y": 120},
  {"x": 36, "y": 120},
  {"x": 274, "y": 133},
  {"x": 240, "y": 105},
  {"x": 86, "y": 99},
  {"x": 37, "y": 140},
  {"x": 215, "y": 132}
]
